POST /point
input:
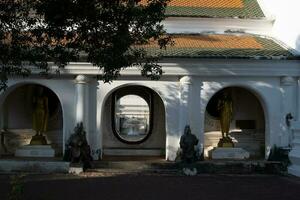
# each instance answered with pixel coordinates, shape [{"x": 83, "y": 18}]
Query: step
[
  {"x": 133, "y": 152},
  {"x": 218, "y": 167},
  {"x": 32, "y": 166}
]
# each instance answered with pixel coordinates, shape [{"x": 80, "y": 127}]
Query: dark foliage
[
  {"x": 105, "y": 33},
  {"x": 280, "y": 154}
]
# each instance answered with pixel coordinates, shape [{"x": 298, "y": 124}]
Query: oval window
[{"x": 132, "y": 118}]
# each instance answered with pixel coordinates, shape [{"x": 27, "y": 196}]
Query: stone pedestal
[
  {"x": 33, "y": 166},
  {"x": 35, "y": 151},
  {"x": 230, "y": 153},
  {"x": 38, "y": 140}
]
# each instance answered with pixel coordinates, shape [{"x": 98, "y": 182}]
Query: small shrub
[
  {"x": 281, "y": 155},
  {"x": 17, "y": 187}
]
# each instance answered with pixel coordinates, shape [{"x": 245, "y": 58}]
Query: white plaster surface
[{"x": 268, "y": 91}]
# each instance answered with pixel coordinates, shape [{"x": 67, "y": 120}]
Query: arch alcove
[
  {"x": 247, "y": 128},
  {"x": 17, "y": 121},
  {"x": 133, "y": 122}
]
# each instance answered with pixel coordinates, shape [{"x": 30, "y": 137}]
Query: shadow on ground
[{"x": 156, "y": 187}]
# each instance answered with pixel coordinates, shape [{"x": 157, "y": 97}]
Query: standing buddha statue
[{"x": 40, "y": 118}]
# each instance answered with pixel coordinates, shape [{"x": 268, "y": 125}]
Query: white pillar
[
  {"x": 1, "y": 117},
  {"x": 3, "y": 110},
  {"x": 200, "y": 117},
  {"x": 185, "y": 102},
  {"x": 1, "y": 127},
  {"x": 288, "y": 107},
  {"x": 294, "y": 154},
  {"x": 298, "y": 100},
  {"x": 190, "y": 108},
  {"x": 81, "y": 85}
]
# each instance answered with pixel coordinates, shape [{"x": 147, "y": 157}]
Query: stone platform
[
  {"x": 35, "y": 151},
  {"x": 160, "y": 166},
  {"x": 33, "y": 166},
  {"x": 175, "y": 168},
  {"x": 230, "y": 153}
]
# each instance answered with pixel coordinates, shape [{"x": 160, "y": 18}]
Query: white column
[
  {"x": 185, "y": 102},
  {"x": 288, "y": 107},
  {"x": 298, "y": 100},
  {"x": 94, "y": 136},
  {"x": 190, "y": 107},
  {"x": 1, "y": 127},
  {"x": 81, "y": 85},
  {"x": 2, "y": 111},
  {"x": 200, "y": 109},
  {"x": 2, "y": 119},
  {"x": 294, "y": 154}
]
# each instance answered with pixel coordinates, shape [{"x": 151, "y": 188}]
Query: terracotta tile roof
[
  {"x": 214, "y": 8},
  {"x": 213, "y": 41},
  {"x": 205, "y": 3},
  {"x": 222, "y": 46}
]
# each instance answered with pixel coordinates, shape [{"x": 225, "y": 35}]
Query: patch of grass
[{"x": 16, "y": 187}]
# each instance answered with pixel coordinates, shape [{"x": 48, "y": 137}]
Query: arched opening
[
  {"x": 247, "y": 126},
  {"x": 17, "y": 112},
  {"x": 133, "y": 123}
]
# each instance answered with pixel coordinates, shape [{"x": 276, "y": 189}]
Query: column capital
[
  {"x": 287, "y": 80},
  {"x": 186, "y": 80},
  {"x": 81, "y": 79}
]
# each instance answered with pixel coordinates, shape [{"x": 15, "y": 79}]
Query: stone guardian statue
[
  {"x": 188, "y": 141},
  {"x": 77, "y": 148}
]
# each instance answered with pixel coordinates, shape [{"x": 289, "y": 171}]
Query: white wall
[{"x": 185, "y": 99}]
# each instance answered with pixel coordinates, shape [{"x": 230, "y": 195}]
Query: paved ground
[{"x": 146, "y": 187}]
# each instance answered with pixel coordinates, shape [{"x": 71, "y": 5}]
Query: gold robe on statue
[
  {"x": 226, "y": 113},
  {"x": 40, "y": 115}
]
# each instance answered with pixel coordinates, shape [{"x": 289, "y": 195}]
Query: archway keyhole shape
[
  {"x": 18, "y": 107},
  {"x": 247, "y": 127},
  {"x": 137, "y": 121}
]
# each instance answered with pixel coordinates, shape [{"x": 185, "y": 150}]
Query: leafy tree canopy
[{"x": 103, "y": 32}]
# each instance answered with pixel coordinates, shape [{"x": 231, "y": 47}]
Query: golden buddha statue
[
  {"x": 40, "y": 118},
  {"x": 225, "y": 107}
]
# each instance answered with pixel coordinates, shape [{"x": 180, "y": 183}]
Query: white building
[{"x": 219, "y": 45}]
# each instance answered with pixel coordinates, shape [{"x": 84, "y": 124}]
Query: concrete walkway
[{"x": 155, "y": 187}]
